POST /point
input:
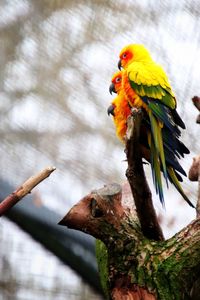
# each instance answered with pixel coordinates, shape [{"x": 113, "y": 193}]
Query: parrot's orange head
[
  {"x": 131, "y": 53},
  {"x": 116, "y": 83}
]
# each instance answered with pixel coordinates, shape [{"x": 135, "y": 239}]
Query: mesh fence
[{"x": 57, "y": 58}]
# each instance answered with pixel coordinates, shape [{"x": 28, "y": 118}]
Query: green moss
[
  {"x": 162, "y": 267},
  {"x": 102, "y": 261}
]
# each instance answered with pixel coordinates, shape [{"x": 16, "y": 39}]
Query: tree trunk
[
  {"x": 132, "y": 266},
  {"x": 135, "y": 263}
]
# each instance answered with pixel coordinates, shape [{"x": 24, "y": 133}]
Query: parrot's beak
[
  {"x": 110, "y": 110},
  {"x": 112, "y": 88},
  {"x": 119, "y": 64}
]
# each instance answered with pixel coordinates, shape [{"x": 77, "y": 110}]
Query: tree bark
[
  {"x": 137, "y": 180},
  {"x": 136, "y": 265}
]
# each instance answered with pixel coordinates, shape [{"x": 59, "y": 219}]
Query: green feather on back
[
  {"x": 150, "y": 80},
  {"x": 154, "y": 92}
]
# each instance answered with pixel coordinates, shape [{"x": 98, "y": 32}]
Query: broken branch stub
[{"x": 99, "y": 213}]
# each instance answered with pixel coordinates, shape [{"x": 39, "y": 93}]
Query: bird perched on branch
[
  {"x": 146, "y": 85},
  {"x": 172, "y": 147}
]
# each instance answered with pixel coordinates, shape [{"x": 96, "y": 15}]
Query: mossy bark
[
  {"x": 167, "y": 269},
  {"x": 133, "y": 266}
]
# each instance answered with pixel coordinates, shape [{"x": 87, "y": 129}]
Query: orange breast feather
[
  {"x": 133, "y": 99},
  {"x": 121, "y": 112}
]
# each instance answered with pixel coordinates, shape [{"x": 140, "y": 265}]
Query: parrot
[
  {"x": 120, "y": 109},
  {"x": 146, "y": 85}
]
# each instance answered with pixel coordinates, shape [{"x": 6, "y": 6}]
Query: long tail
[
  {"x": 170, "y": 140},
  {"x": 174, "y": 180},
  {"x": 155, "y": 168},
  {"x": 171, "y": 161},
  {"x": 177, "y": 119},
  {"x": 157, "y": 138}
]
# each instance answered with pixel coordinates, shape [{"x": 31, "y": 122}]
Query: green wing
[{"x": 149, "y": 80}]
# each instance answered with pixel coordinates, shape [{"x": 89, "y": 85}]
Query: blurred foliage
[{"x": 57, "y": 58}]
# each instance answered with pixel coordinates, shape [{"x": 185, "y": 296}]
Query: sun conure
[
  {"x": 146, "y": 85},
  {"x": 120, "y": 109}
]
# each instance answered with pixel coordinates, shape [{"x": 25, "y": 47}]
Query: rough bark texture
[{"x": 163, "y": 270}]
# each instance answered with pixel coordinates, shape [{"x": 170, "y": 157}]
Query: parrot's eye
[
  {"x": 124, "y": 55},
  {"x": 95, "y": 210},
  {"x": 118, "y": 79}
]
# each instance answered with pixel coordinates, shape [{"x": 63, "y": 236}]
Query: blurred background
[{"x": 56, "y": 61}]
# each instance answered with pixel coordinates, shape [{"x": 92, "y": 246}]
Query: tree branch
[
  {"x": 138, "y": 183},
  {"x": 196, "y": 102},
  {"x": 180, "y": 258},
  {"x": 109, "y": 215},
  {"x": 194, "y": 175},
  {"x": 194, "y": 172},
  {"x": 194, "y": 169},
  {"x": 24, "y": 189}
]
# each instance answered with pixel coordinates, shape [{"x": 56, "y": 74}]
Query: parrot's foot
[
  {"x": 133, "y": 122},
  {"x": 136, "y": 111}
]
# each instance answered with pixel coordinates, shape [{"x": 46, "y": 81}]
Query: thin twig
[
  {"x": 138, "y": 183},
  {"x": 24, "y": 189}
]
